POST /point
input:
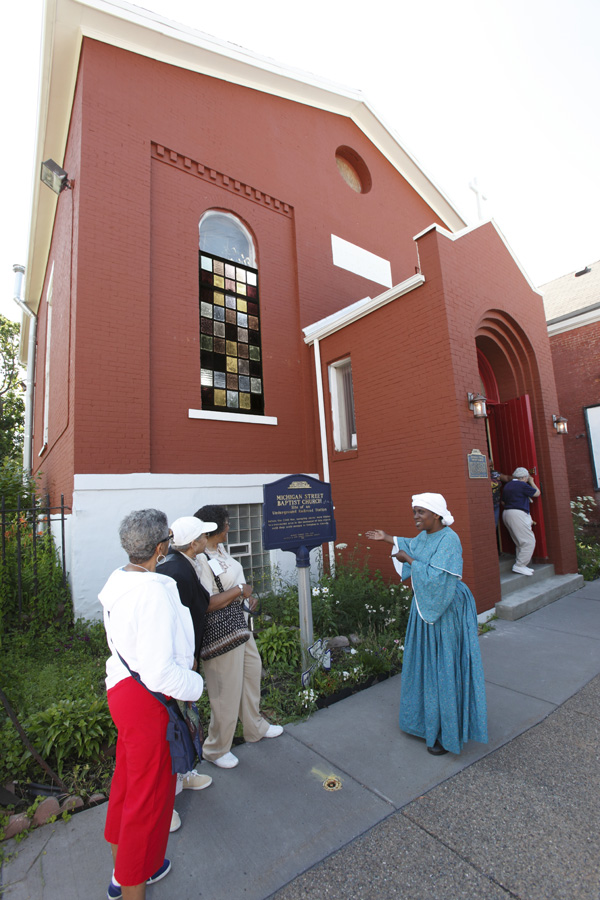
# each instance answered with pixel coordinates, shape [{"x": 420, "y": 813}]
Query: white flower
[
  {"x": 341, "y": 546},
  {"x": 316, "y": 591},
  {"x": 353, "y": 651},
  {"x": 346, "y": 675}
]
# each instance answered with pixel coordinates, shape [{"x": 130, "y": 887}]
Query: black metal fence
[{"x": 31, "y": 519}]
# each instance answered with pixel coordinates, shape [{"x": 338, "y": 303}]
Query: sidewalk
[{"x": 517, "y": 818}]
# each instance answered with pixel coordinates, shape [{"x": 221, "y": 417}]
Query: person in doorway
[
  {"x": 498, "y": 480},
  {"x": 443, "y": 690},
  {"x": 516, "y": 498},
  {"x": 232, "y": 678}
]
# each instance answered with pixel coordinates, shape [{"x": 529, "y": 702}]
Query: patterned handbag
[{"x": 225, "y": 628}]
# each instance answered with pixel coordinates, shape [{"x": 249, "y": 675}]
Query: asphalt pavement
[{"x": 518, "y": 817}]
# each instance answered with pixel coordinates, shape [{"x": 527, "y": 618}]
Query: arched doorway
[{"x": 508, "y": 370}]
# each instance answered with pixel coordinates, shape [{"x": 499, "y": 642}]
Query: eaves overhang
[{"x": 349, "y": 314}]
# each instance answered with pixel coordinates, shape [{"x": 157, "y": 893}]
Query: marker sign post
[{"x": 298, "y": 516}]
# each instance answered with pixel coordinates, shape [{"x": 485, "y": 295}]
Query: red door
[{"x": 511, "y": 436}]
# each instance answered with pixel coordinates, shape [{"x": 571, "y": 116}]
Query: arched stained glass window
[
  {"x": 230, "y": 348},
  {"x": 223, "y": 235}
]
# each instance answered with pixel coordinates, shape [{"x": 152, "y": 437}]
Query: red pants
[{"x": 143, "y": 790}]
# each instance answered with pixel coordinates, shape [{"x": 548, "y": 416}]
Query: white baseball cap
[{"x": 189, "y": 528}]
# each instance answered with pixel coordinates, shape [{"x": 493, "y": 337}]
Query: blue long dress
[{"x": 443, "y": 689}]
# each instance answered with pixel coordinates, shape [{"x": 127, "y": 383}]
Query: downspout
[
  {"x": 29, "y": 382},
  {"x": 323, "y": 431}
]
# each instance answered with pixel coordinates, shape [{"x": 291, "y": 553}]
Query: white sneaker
[
  {"x": 273, "y": 731},
  {"x": 228, "y": 761},
  {"x": 175, "y": 821},
  {"x": 193, "y": 781},
  {"x": 522, "y": 570}
]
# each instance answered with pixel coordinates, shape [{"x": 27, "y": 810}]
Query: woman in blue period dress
[{"x": 443, "y": 689}]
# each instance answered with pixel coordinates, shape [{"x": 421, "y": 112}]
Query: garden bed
[{"x": 53, "y": 674}]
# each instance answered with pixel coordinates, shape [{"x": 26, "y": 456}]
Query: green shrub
[
  {"x": 15, "y": 484},
  {"x": 357, "y": 600},
  {"x": 45, "y": 595},
  {"x": 52, "y": 679},
  {"x": 281, "y": 605},
  {"x": 70, "y": 731},
  {"x": 279, "y": 644},
  {"x": 587, "y": 544}
]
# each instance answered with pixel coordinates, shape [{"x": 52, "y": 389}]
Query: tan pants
[
  {"x": 233, "y": 686},
  {"x": 518, "y": 524}
]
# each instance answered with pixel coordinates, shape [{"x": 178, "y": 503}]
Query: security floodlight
[{"x": 53, "y": 176}]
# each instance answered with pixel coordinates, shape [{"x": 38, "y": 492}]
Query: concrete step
[
  {"x": 535, "y": 594},
  {"x": 510, "y": 581}
]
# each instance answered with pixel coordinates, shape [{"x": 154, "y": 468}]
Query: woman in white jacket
[{"x": 146, "y": 625}]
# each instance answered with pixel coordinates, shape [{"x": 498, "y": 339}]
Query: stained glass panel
[{"x": 231, "y": 370}]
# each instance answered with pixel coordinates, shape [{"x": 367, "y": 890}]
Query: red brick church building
[{"x": 250, "y": 277}]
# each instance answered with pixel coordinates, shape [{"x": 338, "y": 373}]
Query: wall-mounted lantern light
[
  {"x": 477, "y": 403},
  {"x": 54, "y": 177},
  {"x": 560, "y": 424}
]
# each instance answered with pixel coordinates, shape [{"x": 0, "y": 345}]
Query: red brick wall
[
  {"x": 133, "y": 284},
  {"x": 576, "y": 359},
  {"x": 480, "y": 276},
  {"x": 120, "y": 405},
  {"x": 53, "y": 465},
  {"x": 413, "y": 363}
]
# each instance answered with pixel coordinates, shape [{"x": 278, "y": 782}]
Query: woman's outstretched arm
[{"x": 378, "y": 535}]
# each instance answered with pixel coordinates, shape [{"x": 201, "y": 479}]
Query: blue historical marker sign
[{"x": 297, "y": 512}]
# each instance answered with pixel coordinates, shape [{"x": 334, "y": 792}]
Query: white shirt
[{"x": 151, "y": 629}]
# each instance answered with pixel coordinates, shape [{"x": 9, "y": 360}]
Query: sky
[{"x": 502, "y": 91}]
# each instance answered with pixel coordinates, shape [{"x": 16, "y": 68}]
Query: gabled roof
[
  {"x": 572, "y": 298},
  {"x": 330, "y": 324},
  {"x": 67, "y": 22}
]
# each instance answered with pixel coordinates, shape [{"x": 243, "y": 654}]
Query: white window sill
[{"x": 231, "y": 417}]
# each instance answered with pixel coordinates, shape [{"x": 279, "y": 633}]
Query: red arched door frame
[{"x": 511, "y": 443}]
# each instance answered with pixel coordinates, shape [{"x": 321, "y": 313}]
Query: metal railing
[{"x": 34, "y": 519}]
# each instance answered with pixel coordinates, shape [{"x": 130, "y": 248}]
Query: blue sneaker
[
  {"x": 114, "y": 891},
  {"x": 160, "y": 873}
]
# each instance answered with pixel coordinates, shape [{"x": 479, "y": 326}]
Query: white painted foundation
[{"x": 100, "y": 502}]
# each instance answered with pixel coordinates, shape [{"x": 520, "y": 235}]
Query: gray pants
[
  {"x": 518, "y": 525},
  {"x": 233, "y": 686}
]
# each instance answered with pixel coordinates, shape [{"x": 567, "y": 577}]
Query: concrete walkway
[{"x": 517, "y": 818}]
